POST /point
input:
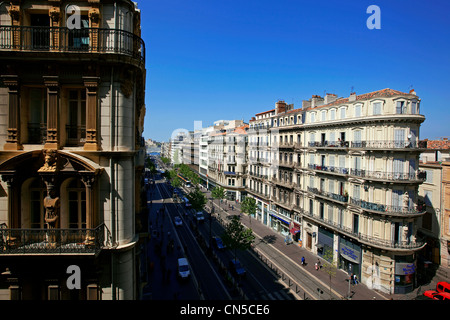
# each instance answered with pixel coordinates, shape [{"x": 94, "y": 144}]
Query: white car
[
  {"x": 183, "y": 268},
  {"x": 199, "y": 216},
  {"x": 178, "y": 221}
]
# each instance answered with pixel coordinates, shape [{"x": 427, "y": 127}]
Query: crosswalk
[{"x": 275, "y": 295}]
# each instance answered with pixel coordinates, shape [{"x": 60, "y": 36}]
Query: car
[
  {"x": 236, "y": 268},
  {"x": 183, "y": 268},
  {"x": 186, "y": 202},
  {"x": 178, "y": 221},
  {"x": 218, "y": 243},
  {"x": 443, "y": 286},
  {"x": 437, "y": 295},
  {"x": 199, "y": 216}
]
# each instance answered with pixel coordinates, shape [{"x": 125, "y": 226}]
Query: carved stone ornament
[
  {"x": 54, "y": 14},
  {"x": 14, "y": 12},
  {"x": 50, "y": 164},
  {"x": 94, "y": 15}
]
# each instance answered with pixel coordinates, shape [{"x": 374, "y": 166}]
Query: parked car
[
  {"x": 199, "y": 216},
  {"x": 236, "y": 268},
  {"x": 178, "y": 221},
  {"x": 443, "y": 286},
  {"x": 218, "y": 243},
  {"x": 183, "y": 268},
  {"x": 437, "y": 295}
]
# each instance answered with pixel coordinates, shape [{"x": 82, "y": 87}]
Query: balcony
[
  {"x": 54, "y": 241},
  {"x": 411, "y": 177},
  {"x": 388, "y": 209},
  {"x": 76, "y": 135},
  {"x": 65, "y": 40},
  {"x": 386, "y": 144},
  {"x": 343, "y": 199},
  {"x": 37, "y": 133}
]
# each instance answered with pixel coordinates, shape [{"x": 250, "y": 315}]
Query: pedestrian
[
  {"x": 303, "y": 261},
  {"x": 318, "y": 264}
]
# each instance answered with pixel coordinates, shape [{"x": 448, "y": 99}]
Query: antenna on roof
[
  {"x": 410, "y": 87},
  {"x": 351, "y": 89}
]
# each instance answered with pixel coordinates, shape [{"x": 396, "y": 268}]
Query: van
[{"x": 183, "y": 268}]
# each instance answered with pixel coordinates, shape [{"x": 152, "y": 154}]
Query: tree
[
  {"x": 165, "y": 160},
  {"x": 237, "y": 236},
  {"x": 249, "y": 207},
  {"x": 329, "y": 267},
  {"x": 218, "y": 193},
  {"x": 197, "y": 199}
]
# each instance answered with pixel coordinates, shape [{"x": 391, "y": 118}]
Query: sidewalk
[{"x": 294, "y": 252}]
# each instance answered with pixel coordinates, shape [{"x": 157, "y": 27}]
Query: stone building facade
[{"x": 72, "y": 153}]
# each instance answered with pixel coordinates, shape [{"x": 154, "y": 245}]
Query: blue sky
[{"x": 209, "y": 60}]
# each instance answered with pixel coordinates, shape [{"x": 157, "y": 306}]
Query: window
[
  {"x": 428, "y": 197},
  {"x": 77, "y": 205},
  {"x": 429, "y": 176},
  {"x": 358, "y": 110},
  {"x": 414, "y": 109},
  {"x": 342, "y": 113},
  {"x": 400, "y": 107},
  {"x": 324, "y": 115},
  {"x": 313, "y": 117},
  {"x": 37, "y": 123},
  {"x": 332, "y": 114},
  {"x": 376, "y": 108},
  {"x": 76, "y": 122}
]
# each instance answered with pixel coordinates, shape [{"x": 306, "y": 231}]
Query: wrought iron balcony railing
[
  {"x": 63, "y": 39},
  {"x": 52, "y": 241}
]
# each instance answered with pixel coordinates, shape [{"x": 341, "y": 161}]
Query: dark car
[
  {"x": 218, "y": 243},
  {"x": 236, "y": 268}
]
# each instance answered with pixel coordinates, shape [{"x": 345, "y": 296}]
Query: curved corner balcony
[
  {"x": 77, "y": 41},
  {"x": 52, "y": 241}
]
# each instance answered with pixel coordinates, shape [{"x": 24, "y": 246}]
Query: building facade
[
  {"x": 72, "y": 153},
  {"x": 346, "y": 181},
  {"x": 227, "y": 158}
]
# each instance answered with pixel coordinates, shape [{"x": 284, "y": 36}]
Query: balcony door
[{"x": 40, "y": 31}]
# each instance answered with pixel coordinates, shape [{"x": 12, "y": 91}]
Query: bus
[{"x": 186, "y": 182}]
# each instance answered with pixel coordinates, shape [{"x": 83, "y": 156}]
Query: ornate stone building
[
  {"x": 71, "y": 121},
  {"x": 346, "y": 180}
]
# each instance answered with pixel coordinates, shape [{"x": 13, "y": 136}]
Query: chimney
[
  {"x": 412, "y": 92},
  {"x": 280, "y": 107},
  {"x": 316, "y": 100},
  {"x": 330, "y": 97},
  {"x": 352, "y": 96}
]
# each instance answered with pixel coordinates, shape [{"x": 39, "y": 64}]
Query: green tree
[
  {"x": 165, "y": 160},
  {"x": 197, "y": 199},
  {"x": 218, "y": 193},
  {"x": 237, "y": 236},
  {"x": 329, "y": 267},
  {"x": 249, "y": 207}
]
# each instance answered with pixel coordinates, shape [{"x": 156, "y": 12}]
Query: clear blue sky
[{"x": 209, "y": 60}]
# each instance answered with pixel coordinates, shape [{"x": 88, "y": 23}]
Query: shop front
[
  {"x": 278, "y": 224},
  {"x": 325, "y": 244},
  {"x": 350, "y": 257},
  {"x": 405, "y": 271},
  {"x": 294, "y": 229}
]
